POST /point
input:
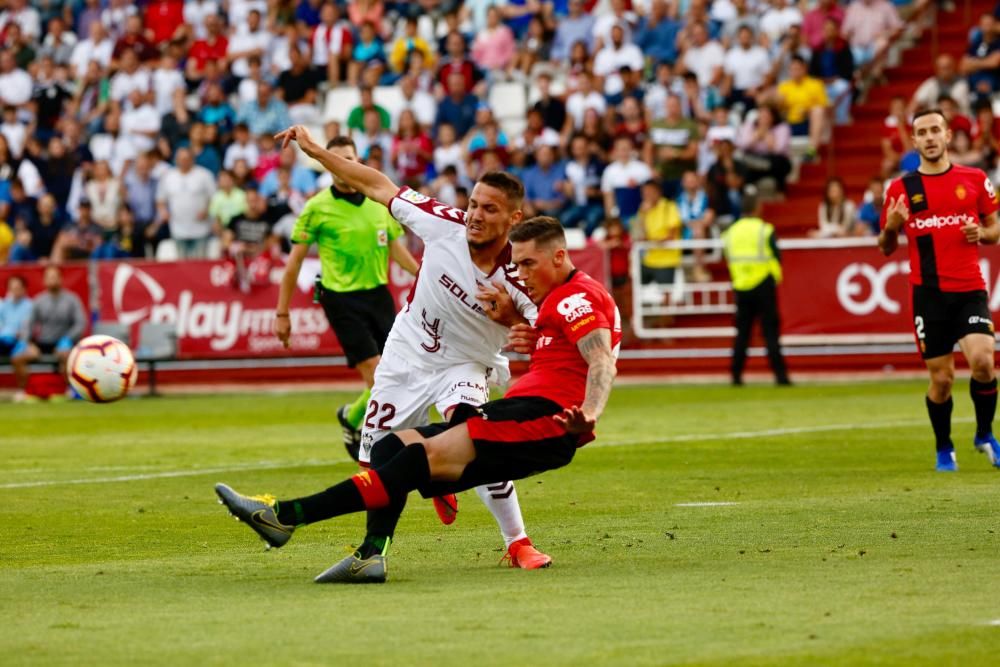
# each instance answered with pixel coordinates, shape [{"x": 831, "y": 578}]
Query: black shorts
[
  {"x": 514, "y": 438},
  {"x": 361, "y": 320},
  {"x": 941, "y": 319}
]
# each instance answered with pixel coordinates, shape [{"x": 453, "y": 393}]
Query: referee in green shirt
[{"x": 355, "y": 236}]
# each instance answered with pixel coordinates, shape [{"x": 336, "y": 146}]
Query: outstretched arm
[
  {"x": 370, "y": 182},
  {"x": 595, "y": 348}
]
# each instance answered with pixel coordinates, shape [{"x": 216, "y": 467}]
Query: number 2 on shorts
[{"x": 388, "y": 412}]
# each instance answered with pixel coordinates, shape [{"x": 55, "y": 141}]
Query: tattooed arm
[{"x": 595, "y": 348}]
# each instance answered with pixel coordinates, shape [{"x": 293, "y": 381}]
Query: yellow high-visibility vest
[{"x": 747, "y": 244}]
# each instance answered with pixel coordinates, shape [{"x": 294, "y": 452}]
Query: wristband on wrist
[{"x": 281, "y": 314}]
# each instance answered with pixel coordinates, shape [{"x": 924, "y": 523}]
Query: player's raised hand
[
  {"x": 897, "y": 214},
  {"x": 576, "y": 421},
  {"x": 283, "y": 329},
  {"x": 522, "y": 339},
  {"x": 497, "y": 303},
  {"x": 973, "y": 232},
  {"x": 300, "y": 135}
]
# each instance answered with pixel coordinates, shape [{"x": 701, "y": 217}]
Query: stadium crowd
[{"x": 144, "y": 129}]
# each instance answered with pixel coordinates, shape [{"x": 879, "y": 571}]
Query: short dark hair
[
  {"x": 19, "y": 278},
  {"x": 544, "y": 230},
  {"x": 509, "y": 185},
  {"x": 750, "y": 201},
  {"x": 342, "y": 140},
  {"x": 799, "y": 59},
  {"x": 928, "y": 112}
]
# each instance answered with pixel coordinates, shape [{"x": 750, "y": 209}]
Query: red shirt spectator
[
  {"x": 213, "y": 47},
  {"x": 812, "y": 22},
  {"x": 164, "y": 17},
  {"x": 135, "y": 40}
]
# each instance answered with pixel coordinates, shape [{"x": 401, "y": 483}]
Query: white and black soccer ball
[{"x": 102, "y": 369}]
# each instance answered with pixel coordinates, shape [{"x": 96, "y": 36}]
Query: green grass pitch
[{"x": 838, "y": 544}]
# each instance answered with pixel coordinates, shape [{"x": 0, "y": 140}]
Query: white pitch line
[
  {"x": 272, "y": 465},
  {"x": 717, "y": 504}
]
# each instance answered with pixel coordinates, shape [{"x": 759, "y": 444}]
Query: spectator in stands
[
  {"x": 659, "y": 220},
  {"x": 869, "y": 26},
  {"x": 228, "y": 201},
  {"x": 297, "y": 87},
  {"x": 837, "y": 214},
  {"x": 303, "y": 179},
  {"x": 267, "y": 115},
  {"x": 122, "y": 241},
  {"x": 250, "y": 241},
  {"x": 140, "y": 123},
  {"x": 167, "y": 78},
  {"x": 420, "y": 102},
  {"x": 544, "y": 192},
  {"x": 724, "y": 181},
  {"x": 249, "y": 39},
  {"x": 982, "y": 59},
  {"x": 494, "y": 47},
  {"x": 962, "y": 151},
  {"x": 133, "y": 39},
  {"x": 785, "y": 50},
  {"x": 674, "y": 143},
  {"x": 616, "y": 55},
  {"x": 552, "y": 108},
  {"x": 140, "y": 191},
  {"x": 58, "y": 43},
  {"x": 78, "y": 238},
  {"x": 57, "y": 323},
  {"x": 896, "y": 133},
  {"x": 131, "y": 76},
  {"x": 368, "y": 52},
  {"x": 202, "y": 146},
  {"x": 212, "y": 45},
  {"x": 242, "y": 148},
  {"x": 23, "y": 171},
  {"x": 578, "y": 102},
  {"x": 409, "y": 41},
  {"x": 57, "y": 169},
  {"x": 458, "y": 109},
  {"x": 945, "y": 81},
  {"x": 594, "y": 129},
  {"x": 456, "y": 62},
  {"x": 632, "y": 123},
  {"x": 98, "y": 47},
  {"x": 104, "y": 192},
  {"x": 578, "y": 26},
  {"x": 704, "y": 57},
  {"x": 356, "y": 118},
  {"x": 36, "y": 236},
  {"x": 955, "y": 117},
  {"x": 533, "y": 48},
  {"x": 622, "y": 180},
  {"x": 805, "y": 104},
  {"x": 412, "y": 150},
  {"x": 778, "y": 18},
  {"x": 814, "y": 20},
  {"x": 764, "y": 141},
  {"x": 15, "y": 84},
  {"x": 373, "y": 134},
  {"x": 332, "y": 44},
  {"x": 697, "y": 218},
  {"x": 448, "y": 152},
  {"x": 986, "y": 132},
  {"x": 833, "y": 64},
  {"x": 657, "y": 33},
  {"x": 536, "y": 135},
  {"x": 870, "y": 212},
  {"x": 582, "y": 188},
  {"x": 15, "y": 318},
  {"x": 183, "y": 197},
  {"x": 697, "y": 102},
  {"x": 746, "y": 68}
]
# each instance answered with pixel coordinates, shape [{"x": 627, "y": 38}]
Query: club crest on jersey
[
  {"x": 990, "y": 190},
  {"x": 960, "y": 191},
  {"x": 413, "y": 197},
  {"x": 575, "y": 306},
  {"x": 917, "y": 198},
  {"x": 383, "y": 238}
]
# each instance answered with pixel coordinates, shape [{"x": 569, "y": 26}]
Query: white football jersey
[{"x": 442, "y": 323}]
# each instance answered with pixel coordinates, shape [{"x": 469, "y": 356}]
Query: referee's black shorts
[
  {"x": 941, "y": 319},
  {"x": 361, "y": 320},
  {"x": 514, "y": 438}
]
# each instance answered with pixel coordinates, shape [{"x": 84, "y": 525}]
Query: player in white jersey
[{"x": 443, "y": 349}]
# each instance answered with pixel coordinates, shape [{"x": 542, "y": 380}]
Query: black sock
[
  {"x": 406, "y": 471},
  {"x": 984, "y": 399},
  {"x": 940, "y": 414},
  {"x": 381, "y": 524}
]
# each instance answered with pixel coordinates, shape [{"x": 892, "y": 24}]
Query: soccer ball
[{"x": 102, "y": 369}]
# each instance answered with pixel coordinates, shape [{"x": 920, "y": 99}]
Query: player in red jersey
[
  {"x": 946, "y": 211},
  {"x": 545, "y": 416}
]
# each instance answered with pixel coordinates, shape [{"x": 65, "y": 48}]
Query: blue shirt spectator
[
  {"x": 266, "y": 115},
  {"x": 657, "y": 35},
  {"x": 307, "y": 11},
  {"x": 15, "y": 316},
  {"x": 577, "y": 27},
  {"x": 303, "y": 180},
  {"x": 458, "y": 108},
  {"x": 543, "y": 183}
]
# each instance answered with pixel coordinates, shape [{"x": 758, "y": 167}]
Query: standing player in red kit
[
  {"x": 946, "y": 210},
  {"x": 538, "y": 425}
]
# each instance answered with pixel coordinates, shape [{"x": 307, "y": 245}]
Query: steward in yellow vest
[{"x": 754, "y": 261}]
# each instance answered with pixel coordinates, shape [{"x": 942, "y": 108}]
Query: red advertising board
[
  {"x": 857, "y": 291},
  {"x": 215, "y": 318},
  {"x": 74, "y": 278}
]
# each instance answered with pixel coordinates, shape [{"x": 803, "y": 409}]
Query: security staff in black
[{"x": 755, "y": 268}]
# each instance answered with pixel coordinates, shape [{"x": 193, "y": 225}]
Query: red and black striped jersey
[{"x": 940, "y": 205}]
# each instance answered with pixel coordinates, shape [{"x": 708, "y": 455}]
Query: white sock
[{"x": 501, "y": 499}]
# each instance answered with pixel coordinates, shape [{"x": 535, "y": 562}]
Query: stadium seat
[
  {"x": 157, "y": 342},
  {"x": 509, "y": 102},
  {"x": 113, "y": 329},
  {"x": 166, "y": 251},
  {"x": 214, "y": 248},
  {"x": 391, "y": 99},
  {"x": 339, "y": 102}
]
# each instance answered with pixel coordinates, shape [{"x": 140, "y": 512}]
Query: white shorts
[{"x": 404, "y": 393}]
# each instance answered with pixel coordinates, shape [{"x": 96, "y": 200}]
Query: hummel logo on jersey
[
  {"x": 444, "y": 211},
  {"x": 942, "y": 221},
  {"x": 575, "y": 306},
  {"x": 432, "y": 330}
]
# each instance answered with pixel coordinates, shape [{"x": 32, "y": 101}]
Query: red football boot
[
  {"x": 524, "y": 555},
  {"x": 447, "y": 508}
]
